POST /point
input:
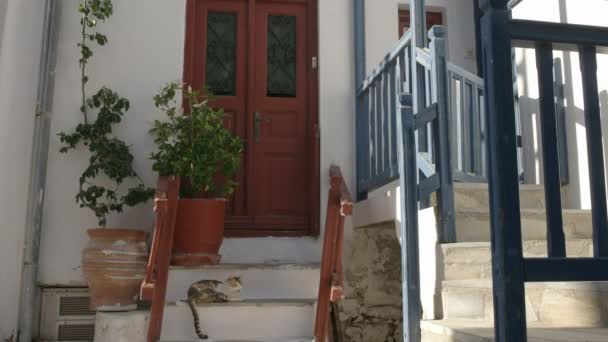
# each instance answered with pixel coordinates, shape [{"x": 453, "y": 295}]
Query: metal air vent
[{"x": 65, "y": 315}]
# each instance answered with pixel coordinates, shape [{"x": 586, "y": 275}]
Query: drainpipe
[
  {"x": 359, "y": 42},
  {"x": 360, "y": 70},
  {"x": 28, "y": 302}
]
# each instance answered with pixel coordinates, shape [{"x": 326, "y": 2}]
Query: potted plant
[
  {"x": 114, "y": 260},
  {"x": 194, "y": 144}
]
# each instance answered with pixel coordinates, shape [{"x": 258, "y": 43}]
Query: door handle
[{"x": 257, "y": 128}]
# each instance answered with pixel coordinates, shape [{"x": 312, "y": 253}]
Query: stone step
[
  {"x": 473, "y": 331},
  {"x": 248, "y": 320},
  {"x": 473, "y": 225},
  {"x": 282, "y": 339},
  {"x": 260, "y": 281},
  {"x": 277, "y": 320},
  {"x": 573, "y": 304},
  {"x": 475, "y": 196},
  {"x": 472, "y": 260}
]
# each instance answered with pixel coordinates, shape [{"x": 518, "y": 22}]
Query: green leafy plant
[
  {"x": 110, "y": 158},
  {"x": 194, "y": 144}
]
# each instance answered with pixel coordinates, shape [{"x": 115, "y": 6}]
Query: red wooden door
[
  {"x": 255, "y": 56},
  {"x": 432, "y": 19}
]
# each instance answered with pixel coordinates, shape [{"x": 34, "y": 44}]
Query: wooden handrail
[
  {"x": 339, "y": 205},
  {"x": 154, "y": 286}
]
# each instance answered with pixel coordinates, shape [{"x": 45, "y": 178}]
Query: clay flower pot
[
  {"x": 199, "y": 231},
  {"x": 114, "y": 265}
]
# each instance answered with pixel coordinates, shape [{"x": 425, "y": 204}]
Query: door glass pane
[
  {"x": 281, "y": 78},
  {"x": 221, "y": 53}
]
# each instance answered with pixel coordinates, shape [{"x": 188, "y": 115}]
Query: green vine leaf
[
  {"x": 195, "y": 145},
  {"x": 109, "y": 156}
]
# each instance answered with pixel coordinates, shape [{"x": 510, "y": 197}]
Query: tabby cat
[{"x": 212, "y": 291}]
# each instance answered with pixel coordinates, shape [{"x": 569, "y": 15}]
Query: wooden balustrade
[
  {"x": 339, "y": 205},
  {"x": 154, "y": 286}
]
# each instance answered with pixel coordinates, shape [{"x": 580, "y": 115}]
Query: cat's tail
[{"x": 197, "y": 322}]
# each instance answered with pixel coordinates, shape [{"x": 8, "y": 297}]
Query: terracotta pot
[
  {"x": 114, "y": 265},
  {"x": 199, "y": 231}
]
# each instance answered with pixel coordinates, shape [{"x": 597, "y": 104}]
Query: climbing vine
[{"x": 109, "y": 157}]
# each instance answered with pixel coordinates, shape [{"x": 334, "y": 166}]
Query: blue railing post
[
  {"x": 441, "y": 132},
  {"x": 410, "y": 266},
  {"x": 507, "y": 255},
  {"x": 362, "y": 124}
]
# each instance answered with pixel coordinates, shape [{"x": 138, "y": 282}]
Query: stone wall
[{"x": 371, "y": 311}]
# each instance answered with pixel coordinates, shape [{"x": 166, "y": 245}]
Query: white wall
[
  {"x": 145, "y": 50},
  {"x": 20, "y": 47},
  {"x": 592, "y": 12},
  {"x": 382, "y": 29}
]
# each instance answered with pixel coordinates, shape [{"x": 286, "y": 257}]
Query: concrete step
[
  {"x": 573, "y": 304},
  {"x": 282, "y": 339},
  {"x": 475, "y": 196},
  {"x": 280, "y": 321},
  {"x": 473, "y": 225},
  {"x": 472, "y": 331},
  {"x": 472, "y": 260},
  {"x": 248, "y": 320},
  {"x": 260, "y": 281}
]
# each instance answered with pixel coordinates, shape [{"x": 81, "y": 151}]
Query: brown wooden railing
[
  {"x": 339, "y": 205},
  {"x": 154, "y": 286}
]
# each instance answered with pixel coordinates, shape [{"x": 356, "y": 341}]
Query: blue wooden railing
[
  {"x": 377, "y": 102},
  {"x": 405, "y": 96},
  {"x": 510, "y": 269}
]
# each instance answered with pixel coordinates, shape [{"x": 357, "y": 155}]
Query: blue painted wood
[
  {"x": 566, "y": 269},
  {"x": 394, "y": 90},
  {"x": 418, "y": 27},
  {"x": 560, "y": 112},
  {"x": 428, "y": 186},
  {"x": 527, "y": 30},
  {"x": 556, "y": 241},
  {"x": 441, "y": 132},
  {"x": 361, "y": 108},
  {"x": 362, "y": 141},
  {"x": 378, "y": 112},
  {"x": 385, "y": 122},
  {"x": 372, "y": 132},
  {"x": 593, "y": 125},
  {"x": 426, "y": 115},
  {"x": 408, "y": 170},
  {"x": 507, "y": 254},
  {"x": 477, "y": 147}
]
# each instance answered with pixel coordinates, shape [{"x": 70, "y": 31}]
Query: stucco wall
[
  {"x": 145, "y": 50},
  {"x": 371, "y": 309},
  {"x": 20, "y": 47},
  {"x": 382, "y": 29},
  {"x": 565, "y": 11}
]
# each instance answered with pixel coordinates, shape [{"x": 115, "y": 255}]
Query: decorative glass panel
[
  {"x": 221, "y": 53},
  {"x": 281, "y": 78}
]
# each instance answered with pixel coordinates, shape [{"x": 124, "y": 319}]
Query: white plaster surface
[
  {"x": 382, "y": 29},
  {"x": 593, "y": 12},
  {"x": 137, "y": 61},
  {"x": 20, "y": 46}
]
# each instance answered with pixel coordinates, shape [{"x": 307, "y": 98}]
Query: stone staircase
[
  {"x": 278, "y": 305},
  {"x": 573, "y": 312}
]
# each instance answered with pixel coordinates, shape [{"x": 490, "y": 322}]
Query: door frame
[{"x": 314, "y": 139}]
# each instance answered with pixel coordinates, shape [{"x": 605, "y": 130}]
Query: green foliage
[
  {"x": 195, "y": 144},
  {"x": 110, "y": 157}
]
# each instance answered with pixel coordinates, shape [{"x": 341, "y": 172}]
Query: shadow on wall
[
  {"x": 577, "y": 193},
  {"x": 574, "y": 125}
]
